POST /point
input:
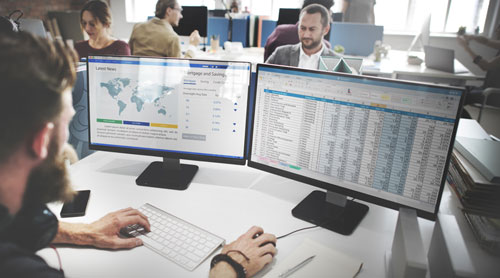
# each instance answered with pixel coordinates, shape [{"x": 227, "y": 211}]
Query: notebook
[{"x": 326, "y": 263}]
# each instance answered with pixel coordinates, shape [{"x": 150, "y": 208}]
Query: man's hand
[
  {"x": 257, "y": 246},
  {"x": 194, "y": 38},
  {"x": 103, "y": 233}
]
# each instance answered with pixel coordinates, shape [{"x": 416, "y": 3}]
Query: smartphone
[{"x": 78, "y": 206}]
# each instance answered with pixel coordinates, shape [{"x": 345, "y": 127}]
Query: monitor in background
[
  {"x": 356, "y": 38},
  {"x": 383, "y": 141},
  {"x": 193, "y": 18},
  {"x": 34, "y": 26},
  {"x": 173, "y": 108},
  {"x": 217, "y": 13},
  {"x": 423, "y": 36},
  {"x": 288, "y": 16}
]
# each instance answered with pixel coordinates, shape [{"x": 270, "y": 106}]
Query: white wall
[{"x": 121, "y": 28}]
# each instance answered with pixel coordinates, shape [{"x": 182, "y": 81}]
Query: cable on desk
[
  {"x": 306, "y": 228},
  {"x": 58, "y": 258}
]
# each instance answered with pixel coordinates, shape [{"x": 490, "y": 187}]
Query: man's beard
[
  {"x": 49, "y": 181},
  {"x": 313, "y": 44}
]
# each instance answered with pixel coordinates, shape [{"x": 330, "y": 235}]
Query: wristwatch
[{"x": 241, "y": 272}]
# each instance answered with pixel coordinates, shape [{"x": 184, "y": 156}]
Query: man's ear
[
  {"x": 41, "y": 141},
  {"x": 327, "y": 28}
]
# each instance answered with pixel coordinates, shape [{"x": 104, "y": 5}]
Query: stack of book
[{"x": 474, "y": 177}]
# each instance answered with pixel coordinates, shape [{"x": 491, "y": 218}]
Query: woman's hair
[{"x": 100, "y": 10}]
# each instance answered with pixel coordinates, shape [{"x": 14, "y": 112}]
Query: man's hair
[
  {"x": 328, "y": 4},
  {"x": 316, "y": 8},
  {"x": 100, "y": 10},
  {"x": 162, "y": 5},
  {"x": 34, "y": 73}
]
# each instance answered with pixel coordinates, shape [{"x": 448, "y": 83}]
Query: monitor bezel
[
  {"x": 342, "y": 190},
  {"x": 166, "y": 153}
]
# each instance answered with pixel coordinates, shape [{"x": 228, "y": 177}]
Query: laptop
[
  {"x": 441, "y": 59},
  {"x": 34, "y": 26}
]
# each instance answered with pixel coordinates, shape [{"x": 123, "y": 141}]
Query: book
[
  {"x": 483, "y": 154},
  {"x": 487, "y": 232},
  {"x": 326, "y": 263}
]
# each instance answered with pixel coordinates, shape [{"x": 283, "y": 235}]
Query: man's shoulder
[
  {"x": 287, "y": 49},
  {"x": 18, "y": 262}
]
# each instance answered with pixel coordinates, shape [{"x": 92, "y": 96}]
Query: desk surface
[
  {"x": 396, "y": 63},
  {"x": 226, "y": 200}
]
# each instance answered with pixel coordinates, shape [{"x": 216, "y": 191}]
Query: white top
[{"x": 310, "y": 62}]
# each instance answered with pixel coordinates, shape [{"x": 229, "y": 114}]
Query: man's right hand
[
  {"x": 257, "y": 246},
  {"x": 194, "y": 38}
]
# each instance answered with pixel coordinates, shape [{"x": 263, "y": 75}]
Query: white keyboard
[{"x": 175, "y": 239}]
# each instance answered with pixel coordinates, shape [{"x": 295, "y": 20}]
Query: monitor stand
[
  {"x": 169, "y": 174},
  {"x": 331, "y": 211}
]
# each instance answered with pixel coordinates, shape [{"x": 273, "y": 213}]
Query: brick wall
[{"x": 39, "y": 8}]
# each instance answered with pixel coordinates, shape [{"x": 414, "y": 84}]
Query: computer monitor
[
  {"x": 193, "y": 18},
  {"x": 34, "y": 26},
  {"x": 168, "y": 107},
  {"x": 423, "y": 36},
  {"x": 217, "y": 13},
  {"x": 288, "y": 16},
  {"x": 383, "y": 141}
]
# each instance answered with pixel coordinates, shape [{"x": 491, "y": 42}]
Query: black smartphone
[{"x": 78, "y": 206}]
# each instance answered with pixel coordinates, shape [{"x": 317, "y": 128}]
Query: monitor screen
[
  {"x": 379, "y": 140},
  {"x": 288, "y": 16},
  {"x": 173, "y": 108},
  {"x": 193, "y": 18}
]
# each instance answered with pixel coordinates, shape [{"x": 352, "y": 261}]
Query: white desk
[
  {"x": 395, "y": 65},
  {"x": 226, "y": 200}
]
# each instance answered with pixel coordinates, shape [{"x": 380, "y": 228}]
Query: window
[
  {"x": 395, "y": 15},
  {"x": 446, "y": 15}
]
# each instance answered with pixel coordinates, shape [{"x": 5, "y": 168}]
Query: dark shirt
[
  {"x": 282, "y": 35},
  {"x": 17, "y": 262},
  {"x": 118, "y": 47}
]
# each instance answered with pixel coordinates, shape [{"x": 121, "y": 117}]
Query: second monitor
[
  {"x": 172, "y": 108},
  {"x": 379, "y": 140}
]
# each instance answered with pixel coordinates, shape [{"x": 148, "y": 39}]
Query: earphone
[{"x": 8, "y": 24}]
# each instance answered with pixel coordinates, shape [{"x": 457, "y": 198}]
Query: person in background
[
  {"x": 287, "y": 33},
  {"x": 314, "y": 24},
  {"x": 95, "y": 19},
  {"x": 157, "y": 37},
  {"x": 359, "y": 11},
  {"x": 491, "y": 66}
]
